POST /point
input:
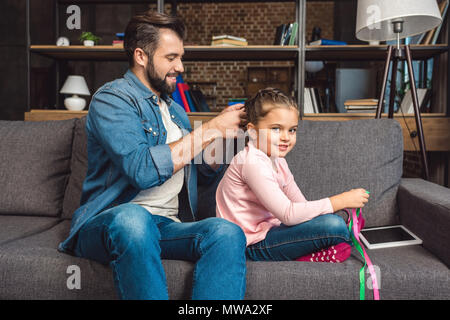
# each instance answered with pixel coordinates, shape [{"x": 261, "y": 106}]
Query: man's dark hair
[{"x": 143, "y": 32}]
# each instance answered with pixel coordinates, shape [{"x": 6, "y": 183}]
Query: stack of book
[
  {"x": 312, "y": 101},
  {"x": 286, "y": 35},
  {"x": 327, "y": 42},
  {"x": 119, "y": 41},
  {"x": 361, "y": 105},
  {"x": 192, "y": 100},
  {"x": 233, "y": 101},
  {"x": 227, "y": 40}
]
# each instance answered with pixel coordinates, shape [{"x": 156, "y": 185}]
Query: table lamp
[
  {"x": 75, "y": 85},
  {"x": 384, "y": 20}
]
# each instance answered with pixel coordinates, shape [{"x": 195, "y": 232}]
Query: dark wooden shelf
[
  {"x": 167, "y": 1},
  {"x": 209, "y": 53},
  {"x": 366, "y": 52},
  {"x": 197, "y": 53}
]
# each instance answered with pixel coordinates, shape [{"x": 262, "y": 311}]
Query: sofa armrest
[{"x": 424, "y": 208}]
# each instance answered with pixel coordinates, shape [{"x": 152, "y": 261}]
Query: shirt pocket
[{"x": 151, "y": 130}]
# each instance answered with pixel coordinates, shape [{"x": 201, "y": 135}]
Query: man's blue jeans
[
  {"x": 286, "y": 243},
  {"x": 133, "y": 242}
]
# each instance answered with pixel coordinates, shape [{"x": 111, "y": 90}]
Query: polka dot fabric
[{"x": 333, "y": 254}]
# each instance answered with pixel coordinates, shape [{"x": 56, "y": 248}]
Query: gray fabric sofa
[{"x": 43, "y": 164}]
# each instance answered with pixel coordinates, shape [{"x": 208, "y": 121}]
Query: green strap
[{"x": 362, "y": 287}]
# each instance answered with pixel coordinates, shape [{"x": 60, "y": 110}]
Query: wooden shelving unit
[
  {"x": 203, "y": 53},
  {"x": 192, "y": 53},
  {"x": 436, "y": 126}
]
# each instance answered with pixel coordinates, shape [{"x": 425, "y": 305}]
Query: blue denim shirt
[{"x": 127, "y": 152}]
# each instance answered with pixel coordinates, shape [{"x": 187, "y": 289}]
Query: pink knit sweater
[{"x": 256, "y": 197}]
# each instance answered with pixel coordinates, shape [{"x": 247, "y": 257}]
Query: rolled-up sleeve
[{"x": 114, "y": 122}]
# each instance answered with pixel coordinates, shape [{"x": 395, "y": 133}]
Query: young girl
[{"x": 258, "y": 192}]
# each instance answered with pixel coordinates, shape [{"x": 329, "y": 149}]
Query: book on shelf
[
  {"x": 308, "y": 106},
  {"x": 361, "y": 105},
  {"x": 199, "y": 100},
  {"x": 187, "y": 93},
  {"x": 192, "y": 100},
  {"x": 286, "y": 34},
  {"x": 118, "y": 42},
  {"x": 229, "y": 42},
  {"x": 327, "y": 42},
  {"x": 226, "y": 36},
  {"x": 407, "y": 105},
  {"x": 293, "y": 37},
  {"x": 185, "y": 103},
  {"x": 279, "y": 34},
  {"x": 176, "y": 96},
  {"x": 233, "y": 101},
  {"x": 361, "y": 102}
]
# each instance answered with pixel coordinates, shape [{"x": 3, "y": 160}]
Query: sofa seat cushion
[
  {"x": 32, "y": 268},
  {"x": 335, "y": 156},
  {"x": 35, "y": 158},
  {"x": 405, "y": 273},
  {"x": 17, "y": 227}
]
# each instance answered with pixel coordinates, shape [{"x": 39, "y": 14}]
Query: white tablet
[{"x": 387, "y": 237}]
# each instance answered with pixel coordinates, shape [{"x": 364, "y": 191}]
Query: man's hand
[
  {"x": 229, "y": 121},
  {"x": 225, "y": 125}
]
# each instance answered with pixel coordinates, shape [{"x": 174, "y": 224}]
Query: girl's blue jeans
[
  {"x": 284, "y": 243},
  {"x": 133, "y": 242}
]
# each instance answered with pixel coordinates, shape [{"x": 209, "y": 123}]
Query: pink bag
[{"x": 333, "y": 254}]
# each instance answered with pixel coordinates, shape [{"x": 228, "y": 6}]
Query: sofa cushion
[
  {"x": 17, "y": 227},
  {"x": 32, "y": 268},
  {"x": 35, "y": 159},
  {"x": 404, "y": 273},
  {"x": 78, "y": 168},
  {"x": 332, "y": 157}
]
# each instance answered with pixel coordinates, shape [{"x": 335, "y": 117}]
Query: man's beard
[{"x": 158, "y": 84}]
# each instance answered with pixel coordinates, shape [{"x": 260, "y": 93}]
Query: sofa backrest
[
  {"x": 329, "y": 158},
  {"x": 34, "y": 166},
  {"x": 78, "y": 168},
  {"x": 333, "y": 157}
]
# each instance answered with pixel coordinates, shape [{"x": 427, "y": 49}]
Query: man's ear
[{"x": 140, "y": 57}]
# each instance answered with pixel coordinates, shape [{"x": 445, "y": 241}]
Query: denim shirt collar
[{"x": 143, "y": 90}]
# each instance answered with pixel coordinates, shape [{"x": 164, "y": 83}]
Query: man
[{"x": 141, "y": 179}]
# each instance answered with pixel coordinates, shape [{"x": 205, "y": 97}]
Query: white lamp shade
[
  {"x": 375, "y": 17},
  {"x": 75, "y": 85}
]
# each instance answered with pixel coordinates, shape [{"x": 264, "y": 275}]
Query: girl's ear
[{"x": 252, "y": 132}]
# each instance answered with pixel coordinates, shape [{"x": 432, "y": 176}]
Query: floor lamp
[{"x": 384, "y": 20}]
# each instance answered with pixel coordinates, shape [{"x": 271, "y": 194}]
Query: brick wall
[{"x": 254, "y": 21}]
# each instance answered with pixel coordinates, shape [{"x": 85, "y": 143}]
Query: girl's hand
[{"x": 355, "y": 198}]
